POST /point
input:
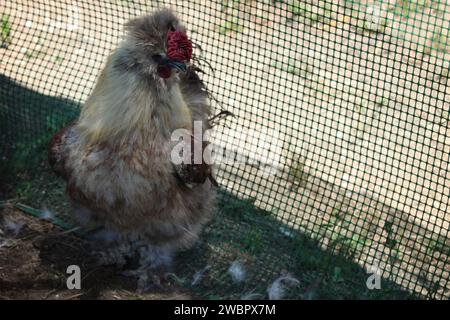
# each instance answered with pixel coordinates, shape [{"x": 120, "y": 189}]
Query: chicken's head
[{"x": 157, "y": 44}]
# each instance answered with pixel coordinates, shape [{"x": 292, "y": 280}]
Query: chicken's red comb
[{"x": 179, "y": 48}]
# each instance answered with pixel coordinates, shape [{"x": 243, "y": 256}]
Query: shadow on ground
[
  {"x": 35, "y": 266},
  {"x": 34, "y": 263},
  {"x": 27, "y": 121}
]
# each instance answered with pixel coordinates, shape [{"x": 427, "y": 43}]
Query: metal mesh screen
[{"x": 341, "y": 128}]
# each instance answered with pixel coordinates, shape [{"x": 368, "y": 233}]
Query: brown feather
[{"x": 57, "y": 154}]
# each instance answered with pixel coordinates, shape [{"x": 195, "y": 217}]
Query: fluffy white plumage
[{"x": 277, "y": 289}]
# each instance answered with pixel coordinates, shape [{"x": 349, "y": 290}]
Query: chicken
[{"x": 116, "y": 157}]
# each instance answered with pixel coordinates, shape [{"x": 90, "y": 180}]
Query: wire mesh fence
[{"x": 341, "y": 120}]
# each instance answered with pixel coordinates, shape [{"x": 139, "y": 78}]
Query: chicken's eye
[
  {"x": 157, "y": 58},
  {"x": 171, "y": 27}
]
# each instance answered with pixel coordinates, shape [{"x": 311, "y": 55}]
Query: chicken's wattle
[{"x": 164, "y": 71}]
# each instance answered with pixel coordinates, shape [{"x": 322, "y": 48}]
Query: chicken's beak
[
  {"x": 180, "y": 66},
  {"x": 174, "y": 64}
]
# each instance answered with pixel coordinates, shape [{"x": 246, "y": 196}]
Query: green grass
[
  {"x": 252, "y": 241},
  {"x": 407, "y": 7},
  {"x": 295, "y": 67},
  {"x": 5, "y": 30},
  {"x": 28, "y": 120},
  {"x": 297, "y": 170},
  {"x": 38, "y": 51},
  {"x": 320, "y": 11},
  {"x": 225, "y": 4},
  {"x": 58, "y": 58},
  {"x": 232, "y": 25},
  {"x": 267, "y": 253},
  {"x": 441, "y": 40}
]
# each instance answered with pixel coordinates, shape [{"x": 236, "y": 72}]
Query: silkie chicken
[{"x": 116, "y": 157}]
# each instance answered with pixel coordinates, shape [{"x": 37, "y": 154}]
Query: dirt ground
[{"x": 34, "y": 260}]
